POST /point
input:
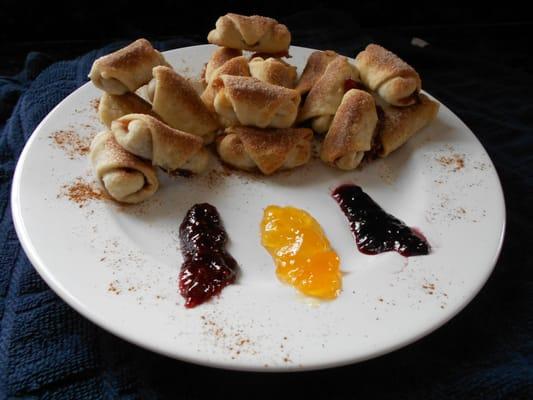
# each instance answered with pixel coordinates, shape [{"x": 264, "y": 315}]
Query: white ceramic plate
[{"x": 118, "y": 266}]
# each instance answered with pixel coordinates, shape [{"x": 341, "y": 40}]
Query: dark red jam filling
[
  {"x": 207, "y": 266},
  {"x": 352, "y": 84},
  {"x": 376, "y": 147},
  {"x": 184, "y": 173},
  {"x": 375, "y": 230},
  {"x": 279, "y": 54},
  {"x": 413, "y": 98}
]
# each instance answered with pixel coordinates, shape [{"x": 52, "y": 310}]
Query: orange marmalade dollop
[{"x": 301, "y": 251}]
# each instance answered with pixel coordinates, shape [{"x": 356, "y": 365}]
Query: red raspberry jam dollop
[{"x": 207, "y": 266}]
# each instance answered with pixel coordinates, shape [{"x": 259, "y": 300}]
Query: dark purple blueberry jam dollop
[
  {"x": 208, "y": 267},
  {"x": 375, "y": 230}
]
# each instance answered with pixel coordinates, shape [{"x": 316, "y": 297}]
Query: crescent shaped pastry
[
  {"x": 126, "y": 69},
  {"x": 384, "y": 72},
  {"x": 168, "y": 148},
  {"x": 274, "y": 71},
  {"x": 268, "y": 150},
  {"x": 125, "y": 177},
  {"x": 314, "y": 68},
  {"x": 236, "y": 66},
  {"x": 197, "y": 84},
  {"x": 113, "y": 106},
  {"x": 218, "y": 59},
  {"x": 178, "y": 104},
  {"x": 254, "y": 33},
  {"x": 351, "y": 132},
  {"x": 398, "y": 124},
  {"x": 326, "y": 95},
  {"x": 248, "y": 101}
]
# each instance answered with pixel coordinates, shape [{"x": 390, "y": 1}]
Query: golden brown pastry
[
  {"x": 236, "y": 66},
  {"x": 398, "y": 124},
  {"x": 126, "y": 69},
  {"x": 255, "y": 33},
  {"x": 384, "y": 72},
  {"x": 177, "y": 103},
  {"x": 351, "y": 132},
  {"x": 248, "y": 101},
  {"x": 169, "y": 148},
  {"x": 125, "y": 177},
  {"x": 326, "y": 95},
  {"x": 274, "y": 71},
  {"x": 268, "y": 150},
  {"x": 315, "y": 67},
  {"x": 114, "y": 106},
  {"x": 218, "y": 59},
  {"x": 198, "y": 85}
]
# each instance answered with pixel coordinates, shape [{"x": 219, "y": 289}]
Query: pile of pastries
[{"x": 252, "y": 110}]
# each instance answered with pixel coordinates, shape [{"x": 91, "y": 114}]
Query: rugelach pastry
[
  {"x": 314, "y": 68},
  {"x": 274, "y": 71},
  {"x": 351, "y": 132},
  {"x": 384, "y": 72},
  {"x": 178, "y": 104},
  {"x": 126, "y": 69},
  {"x": 326, "y": 95},
  {"x": 268, "y": 150},
  {"x": 236, "y": 66},
  {"x": 168, "y": 148},
  {"x": 398, "y": 124},
  {"x": 254, "y": 33},
  {"x": 198, "y": 85},
  {"x": 218, "y": 59},
  {"x": 248, "y": 101},
  {"x": 113, "y": 106},
  {"x": 125, "y": 177}
]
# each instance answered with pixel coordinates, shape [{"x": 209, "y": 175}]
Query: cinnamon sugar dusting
[
  {"x": 114, "y": 287},
  {"x": 429, "y": 287},
  {"x": 72, "y": 143},
  {"x": 81, "y": 192},
  {"x": 140, "y": 209},
  {"x": 95, "y": 104},
  {"x": 386, "y": 59},
  {"x": 232, "y": 339},
  {"x": 456, "y": 161},
  {"x": 214, "y": 177}
]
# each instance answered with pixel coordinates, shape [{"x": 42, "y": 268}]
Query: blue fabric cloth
[{"x": 47, "y": 350}]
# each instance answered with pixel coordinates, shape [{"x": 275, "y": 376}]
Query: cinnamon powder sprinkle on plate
[
  {"x": 95, "y": 103},
  {"x": 81, "y": 192},
  {"x": 456, "y": 161},
  {"x": 71, "y": 143}
]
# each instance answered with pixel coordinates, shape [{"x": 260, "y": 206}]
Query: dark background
[
  {"x": 479, "y": 63},
  {"x": 68, "y": 29}
]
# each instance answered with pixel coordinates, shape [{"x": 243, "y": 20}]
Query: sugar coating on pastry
[
  {"x": 326, "y": 95},
  {"x": 314, "y": 68},
  {"x": 235, "y": 66},
  {"x": 249, "y": 101},
  {"x": 274, "y": 71},
  {"x": 219, "y": 57},
  {"x": 113, "y": 106},
  {"x": 268, "y": 150},
  {"x": 254, "y": 33},
  {"x": 127, "y": 69},
  {"x": 124, "y": 176},
  {"x": 176, "y": 101},
  {"x": 398, "y": 124},
  {"x": 168, "y": 148},
  {"x": 351, "y": 132},
  {"x": 393, "y": 79}
]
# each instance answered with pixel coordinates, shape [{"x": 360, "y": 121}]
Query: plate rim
[{"x": 85, "y": 311}]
